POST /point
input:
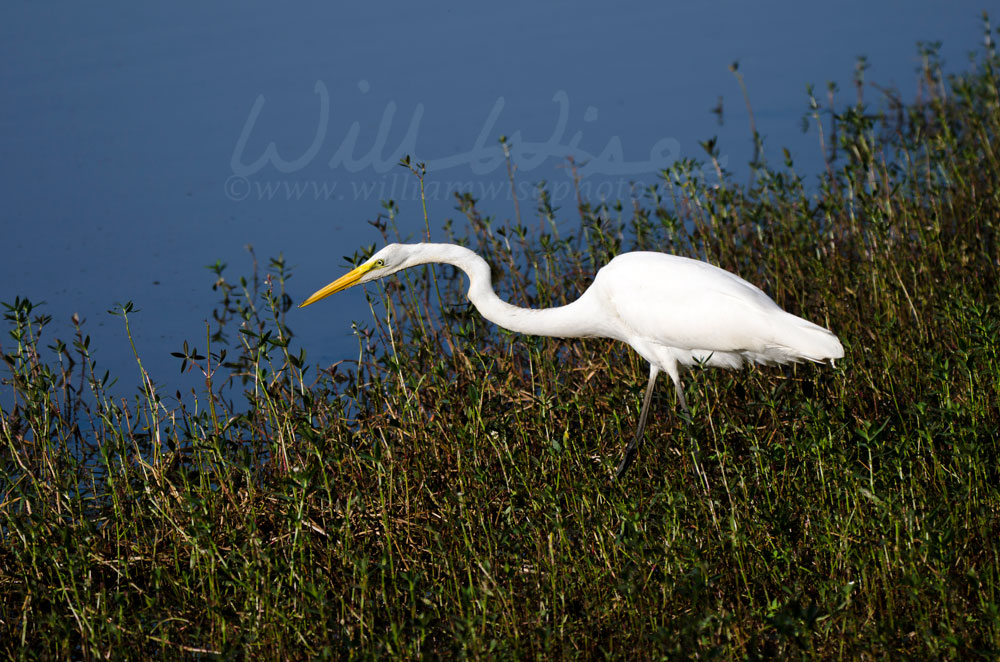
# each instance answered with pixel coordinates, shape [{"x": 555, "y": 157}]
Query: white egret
[{"x": 674, "y": 311}]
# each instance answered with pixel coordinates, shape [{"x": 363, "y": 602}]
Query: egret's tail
[{"x": 801, "y": 340}]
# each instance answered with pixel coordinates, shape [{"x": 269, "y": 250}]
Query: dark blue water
[{"x": 140, "y": 143}]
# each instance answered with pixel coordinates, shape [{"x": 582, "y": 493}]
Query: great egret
[{"x": 672, "y": 310}]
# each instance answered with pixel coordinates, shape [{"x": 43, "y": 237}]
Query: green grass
[{"x": 449, "y": 494}]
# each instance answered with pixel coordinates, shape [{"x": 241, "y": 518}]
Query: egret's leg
[
  {"x": 676, "y": 377},
  {"x": 681, "y": 398},
  {"x": 633, "y": 446}
]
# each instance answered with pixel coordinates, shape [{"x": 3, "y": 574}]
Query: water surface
[{"x": 141, "y": 143}]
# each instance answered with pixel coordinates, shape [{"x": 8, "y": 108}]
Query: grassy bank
[{"x": 448, "y": 493}]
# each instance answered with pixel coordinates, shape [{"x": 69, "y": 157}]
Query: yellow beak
[{"x": 342, "y": 283}]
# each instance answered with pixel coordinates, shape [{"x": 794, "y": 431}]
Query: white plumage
[{"x": 674, "y": 311}]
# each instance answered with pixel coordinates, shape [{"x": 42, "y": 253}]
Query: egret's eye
[{"x": 379, "y": 263}]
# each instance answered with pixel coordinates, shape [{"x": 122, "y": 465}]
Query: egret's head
[{"x": 387, "y": 261}]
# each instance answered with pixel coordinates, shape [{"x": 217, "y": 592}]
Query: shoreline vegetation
[{"x": 448, "y": 492}]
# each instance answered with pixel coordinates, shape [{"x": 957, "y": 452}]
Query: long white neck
[{"x": 574, "y": 320}]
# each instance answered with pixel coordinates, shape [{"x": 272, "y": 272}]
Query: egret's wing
[{"x": 687, "y": 304}]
